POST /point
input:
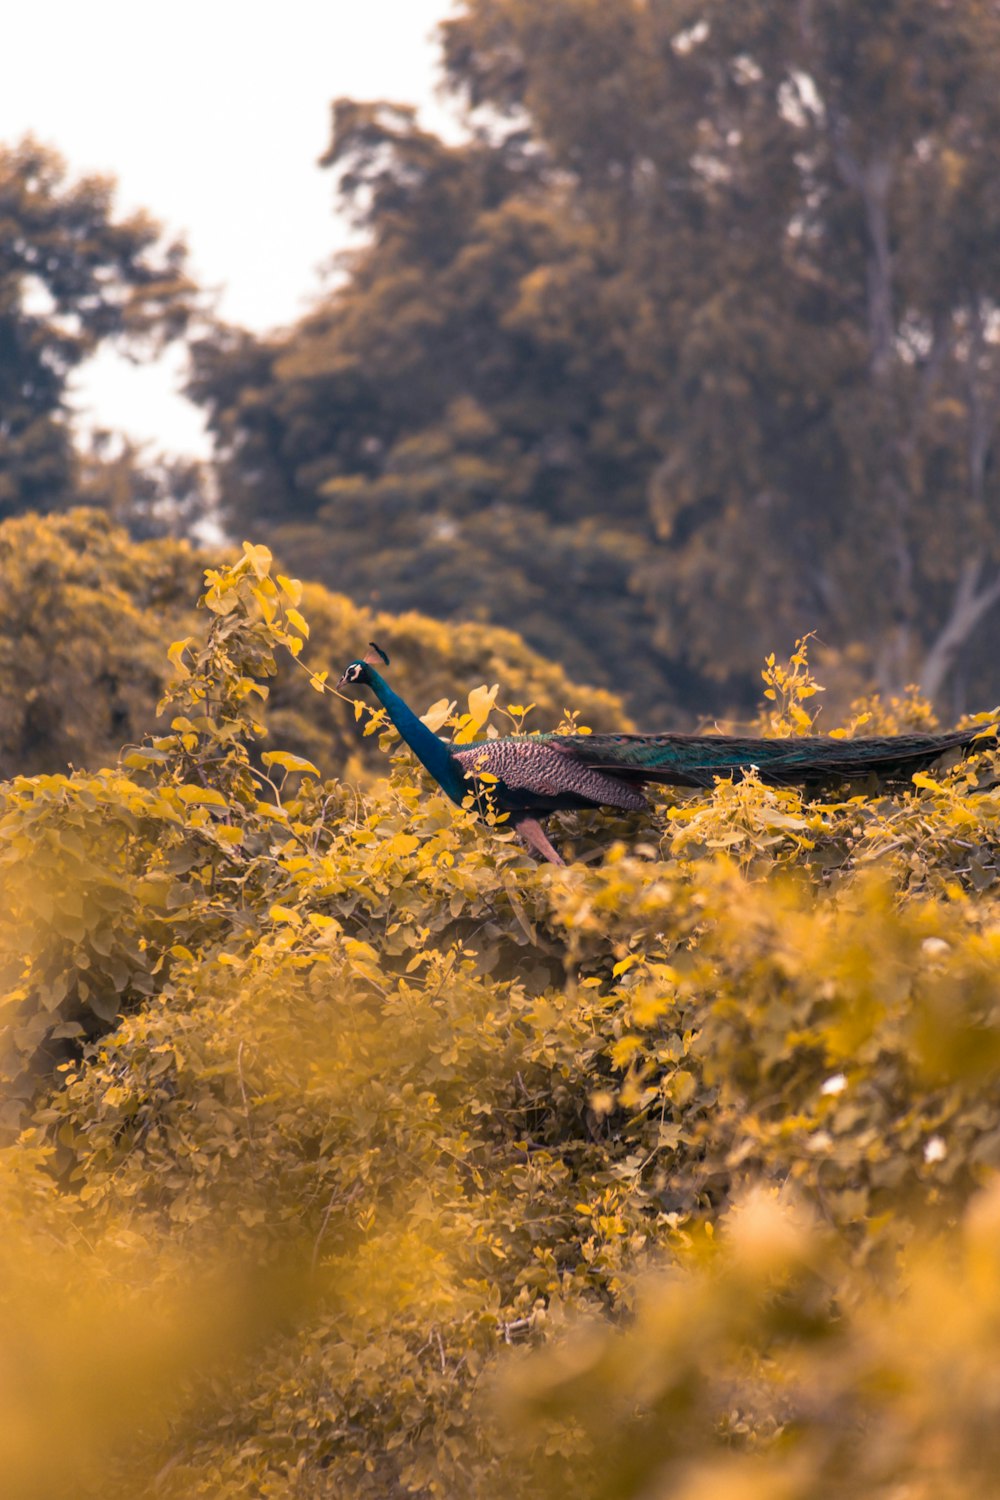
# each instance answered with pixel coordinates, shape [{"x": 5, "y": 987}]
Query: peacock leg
[{"x": 531, "y": 833}]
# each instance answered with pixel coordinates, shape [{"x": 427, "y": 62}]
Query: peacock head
[{"x": 359, "y": 671}]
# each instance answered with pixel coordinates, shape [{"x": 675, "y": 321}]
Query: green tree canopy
[{"x": 72, "y": 276}]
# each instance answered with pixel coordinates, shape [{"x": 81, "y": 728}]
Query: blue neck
[{"x": 431, "y": 751}]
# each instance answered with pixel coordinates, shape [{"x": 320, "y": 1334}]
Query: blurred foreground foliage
[{"x": 351, "y": 1154}]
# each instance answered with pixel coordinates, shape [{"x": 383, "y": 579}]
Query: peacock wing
[{"x": 546, "y": 767}]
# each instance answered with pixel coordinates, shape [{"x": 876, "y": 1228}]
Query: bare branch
[{"x": 969, "y": 605}]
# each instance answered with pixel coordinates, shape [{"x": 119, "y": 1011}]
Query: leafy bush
[
  {"x": 84, "y": 613},
  {"x": 400, "y": 1165}
]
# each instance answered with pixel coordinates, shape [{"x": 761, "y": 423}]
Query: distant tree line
[{"x": 688, "y": 348}]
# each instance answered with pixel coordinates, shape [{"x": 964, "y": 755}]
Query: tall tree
[
  {"x": 809, "y": 209},
  {"x": 72, "y": 276},
  {"x": 434, "y": 435},
  {"x": 694, "y": 339}
]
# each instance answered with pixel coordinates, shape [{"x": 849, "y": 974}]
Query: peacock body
[{"x": 530, "y": 776}]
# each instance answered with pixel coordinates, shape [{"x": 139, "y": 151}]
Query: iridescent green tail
[{"x": 696, "y": 760}]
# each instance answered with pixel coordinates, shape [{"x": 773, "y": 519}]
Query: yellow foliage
[{"x": 348, "y": 1151}]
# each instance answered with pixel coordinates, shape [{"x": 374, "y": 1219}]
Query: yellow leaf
[
  {"x": 321, "y": 921},
  {"x": 259, "y": 559},
  {"x": 437, "y": 714},
  {"x": 294, "y": 618},
  {"x": 267, "y": 608},
  {"x": 318, "y": 681},
  {"x": 402, "y": 844},
  {"x": 625, "y": 1050},
  {"x": 266, "y": 810},
  {"x": 481, "y": 703},
  {"x": 289, "y": 762},
  {"x": 228, "y": 833},
  {"x": 202, "y": 796},
  {"x": 291, "y": 587},
  {"x": 283, "y": 914},
  {"x": 176, "y": 652},
  {"x": 358, "y": 950}
]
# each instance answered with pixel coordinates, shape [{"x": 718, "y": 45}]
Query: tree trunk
[{"x": 970, "y": 603}]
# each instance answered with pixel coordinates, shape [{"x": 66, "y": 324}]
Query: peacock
[{"x": 539, "y": 774}]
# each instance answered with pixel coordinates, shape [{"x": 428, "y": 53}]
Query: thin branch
[{"x": 243, "y": 1091}]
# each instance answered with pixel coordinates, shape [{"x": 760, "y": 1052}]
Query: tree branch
[{"x": 969, "y": 605}]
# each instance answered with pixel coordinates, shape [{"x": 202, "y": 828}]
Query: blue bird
[{"x": 539, "y": 774}]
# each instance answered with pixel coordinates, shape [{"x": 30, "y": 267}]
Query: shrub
[{"x": 400, "y": 1165}]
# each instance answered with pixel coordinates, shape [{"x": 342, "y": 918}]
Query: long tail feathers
[{"x": 696, "y": 760}]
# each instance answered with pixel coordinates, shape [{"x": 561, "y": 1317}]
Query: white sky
[{"x": 211, "y": 114}]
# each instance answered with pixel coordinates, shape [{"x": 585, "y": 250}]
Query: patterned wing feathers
[{"x": 544, "y": 767}]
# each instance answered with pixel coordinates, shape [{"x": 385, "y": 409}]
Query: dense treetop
[
  {"x": 73, "y": 275},
  {"x": 686, "y": 349},
  {"x": 694, "y": 335}
]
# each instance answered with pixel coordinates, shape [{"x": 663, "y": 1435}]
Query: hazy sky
[{"x": 212, "y": 114}]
